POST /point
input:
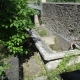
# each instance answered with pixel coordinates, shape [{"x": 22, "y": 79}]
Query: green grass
[{"x": 42, "y": 32}]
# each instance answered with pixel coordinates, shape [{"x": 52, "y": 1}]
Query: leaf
[
  {"x": 9, "y": 47},
  {"x": 10, "y": 50},
  {"x": 20, "y": 40},
  {"x": 10, "y": 20},
  {"x": 14, "y": 52},
  {"x": 11, "y": 25},
  {"x": 23, "y": 37},
  {"x": 24, "y": 22},
  {"x": 17, "y": 43},
  {"x": 16, "y": 24},
  {"x": 26, "y": 52},
  {"x": 29, "y": 10},
  {"x": 19, "y": 6},
  {"x": 1, "y": 68},
  {"x": 24, "y": 13},
  {"x": 6, "y": 27}
]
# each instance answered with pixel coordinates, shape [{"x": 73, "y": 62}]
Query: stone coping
[
  {"x": 34, "y": 6},
  {"x": 70, "y": 3}
]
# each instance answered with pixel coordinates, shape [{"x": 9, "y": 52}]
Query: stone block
[{"x": 41, "y": 78}]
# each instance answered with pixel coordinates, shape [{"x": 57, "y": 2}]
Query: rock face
[
  {"x": 62, "y": 18},
  {"x": 13, "y": 72}
]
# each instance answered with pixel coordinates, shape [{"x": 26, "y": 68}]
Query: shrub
[{"x": 14, "y": 20}]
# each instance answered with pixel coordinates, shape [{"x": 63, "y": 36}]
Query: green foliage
[
  {"x": 14, "y": 20},
  {"x": 3, "y": 66}
]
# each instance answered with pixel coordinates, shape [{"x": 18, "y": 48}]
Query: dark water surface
[{"x": 74, "y": 75}]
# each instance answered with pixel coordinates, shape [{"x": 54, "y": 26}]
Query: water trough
[{"x": 52, "y": 57}]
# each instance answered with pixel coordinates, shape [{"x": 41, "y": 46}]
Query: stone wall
[{"x": 62, "y": 18}]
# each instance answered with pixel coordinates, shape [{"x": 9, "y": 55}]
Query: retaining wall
[{"x": 62, "y": 19}]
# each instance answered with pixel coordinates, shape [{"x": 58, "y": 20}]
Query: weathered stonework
[
  {"x": 63, "y": 19},
  {"x": 43, "y": 1}
]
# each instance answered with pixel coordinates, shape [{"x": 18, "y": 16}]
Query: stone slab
[
  {"x": 41, "y": 78},
  {"x": 53, "y": 64},
  {"x": 13, "y": 72}
]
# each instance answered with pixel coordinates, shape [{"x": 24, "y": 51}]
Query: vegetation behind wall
[
  {"x": 32, "y": 1},
  {"x": 63, "y": 0}
]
